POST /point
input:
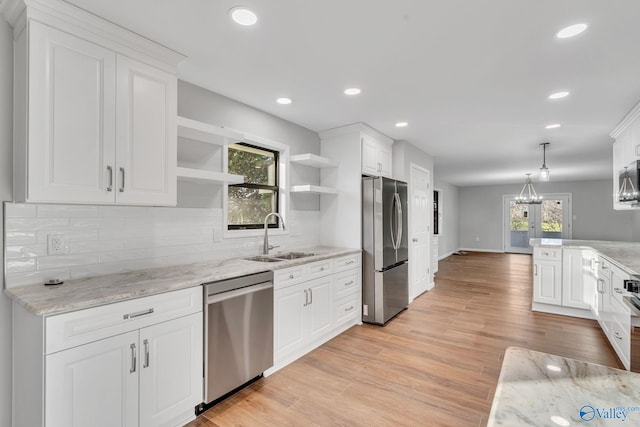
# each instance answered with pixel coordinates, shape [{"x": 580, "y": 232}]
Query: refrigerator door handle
[
  {"x": 393, "y": 221},
  {"x": 399, "y": 220}
]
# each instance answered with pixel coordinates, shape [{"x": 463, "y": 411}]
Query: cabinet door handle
[
  {"x": 535, "y": 269},
  {"x": 146, "y": 353},
  {"x": 122, "y": 182},
  {"x": 134, "y": 358},
  {"x": 306, "y": 298},
  {"x": 310, "y": 296},
  {"x": 137, "y": 314},
  {"x": 110, "y": 186}
]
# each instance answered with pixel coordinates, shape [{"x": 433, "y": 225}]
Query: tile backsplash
[{"x": 111, "y": 239}]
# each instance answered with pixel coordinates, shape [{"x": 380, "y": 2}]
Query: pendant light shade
[
  {"x": 528, "y": 195},
  {"x": 627, "y": 191},
  {"x": 544, "y": 170}
]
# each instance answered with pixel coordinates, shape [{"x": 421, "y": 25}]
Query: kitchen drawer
[
  {"x": 347, "y": 308},
  {"x": 68, "y": 330},
  {"x": 621, "y": 337},
  {"x": 548, "y": 253},
  {"x": 347, "y": 262},
  {"x": 289, "y": 276},
  {"x": 319, "y": 268},
  {"x": 346, "y": 284}
]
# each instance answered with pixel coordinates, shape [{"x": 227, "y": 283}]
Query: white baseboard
[
  {"x": 481, "y": 250},
  {"x": 441, "y": 257},
  {"x": 565, "y": 311}
]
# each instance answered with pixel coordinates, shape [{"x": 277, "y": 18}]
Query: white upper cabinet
[
  {"x": 95, "y": 111},
  {"x": 376, "y": 156},
  {"x": 146, "y": 134}
]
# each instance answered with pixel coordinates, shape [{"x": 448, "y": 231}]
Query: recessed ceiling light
[
  {"x": 558, "y": 95},
  {"x": 284, "y": 101},
  {"x": 571, "y": 31},
  {"x": 553, "y": 126},
  {"x": 402, "y": 124},
  {"x": 243, "y": 16},
  {"x": 352, "y": 91}
]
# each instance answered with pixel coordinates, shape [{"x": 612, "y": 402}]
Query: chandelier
[
  {"x": 528, "y": 195},
  {"x": 627, "y": 191}
]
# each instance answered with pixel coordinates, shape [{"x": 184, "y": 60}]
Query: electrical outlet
[
  {"x": 55, "y": 244},
  {"x": 365, "y": 310}
]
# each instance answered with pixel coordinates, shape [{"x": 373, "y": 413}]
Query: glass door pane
[
  {"x": 552, "y": 219},
  {"x": 519, "y": 225}
]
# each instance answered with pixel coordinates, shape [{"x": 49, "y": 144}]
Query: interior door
[{"x": 419, "y": 230}]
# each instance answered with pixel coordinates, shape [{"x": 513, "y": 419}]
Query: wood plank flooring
[{"x": 435, "y": 364}]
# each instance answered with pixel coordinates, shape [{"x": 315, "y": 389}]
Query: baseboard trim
[
  {"x": 481, "y": 250},
  {"x": 564, "y": 311},
  {"x": 441, "y": 257}
]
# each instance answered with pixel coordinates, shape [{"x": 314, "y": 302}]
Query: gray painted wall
[
  {"x": 6, "y": 130},
  {"x": 593, "y": 214},
  {"x": 200, "y": 104},
  {"x": 449, "y": 239}
]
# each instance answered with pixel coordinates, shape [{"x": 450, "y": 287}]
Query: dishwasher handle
[{"x": 212, "y": 299}]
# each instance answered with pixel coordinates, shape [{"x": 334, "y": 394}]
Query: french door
[{"x": 549, "y": 220}]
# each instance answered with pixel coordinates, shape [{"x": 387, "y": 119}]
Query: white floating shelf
[
  {"x": 315, "y": 189},
  {"x": 313, "y": 160},
  {"x": 205, "y": 132},
  {"x": 203, "y": 176}
]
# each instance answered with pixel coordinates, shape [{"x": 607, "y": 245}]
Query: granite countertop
[
  {"x": 91, "y": 292},
  {"x": 540, "y": 389},
  {"x": 625, "y": 255}
]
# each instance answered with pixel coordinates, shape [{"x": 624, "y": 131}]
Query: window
[
  {"x": 437, "y": 213},
  {"x": 250, "y": 202}
]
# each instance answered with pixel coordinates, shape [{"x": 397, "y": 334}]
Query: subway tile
[
  {"x": 124, "y": 211},
  {"x": 184, "y": 259},
  {"x": 67, "y": 211},
  {"x": 127, "y": 255},
  {"x": 36, "y": 277},
  {"x": 95, "y": 270},
  {"x": 21, "y": 237},
  {"x": 13, "y": 224},
  {"x": 111, "y": 222},
  {"x": 26, "y": 251},
  {"x": 20, "y": 265},
  {"x": 144, "y": 264},
  {"x": 20, "y": 210},
  {"x": 59, "y": 261},
  {"x": 95, "y": 246}
]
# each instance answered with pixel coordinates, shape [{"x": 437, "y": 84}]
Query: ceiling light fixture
[
  {"x": 544, "y": 170},
  {"x": 528, "y": 195},
  {"x": 402, "y": 124},
  {"x": 627, "y": 191},
  {"x": 559, "y": 95},
  {"x": 284, "y": 101},
  {"x": 243, "y": 16},
  {"x": 352, "y": 91},
  {"x": 553, "y": 126},
  {"x": 571, "y": 31}
]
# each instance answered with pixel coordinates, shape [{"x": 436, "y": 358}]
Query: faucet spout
[{"x": 265, "y": 245}]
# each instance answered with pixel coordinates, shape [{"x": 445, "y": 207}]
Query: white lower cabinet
[
  {"x": 309, "y": 312},
  {"x": 147, "y": 373}
]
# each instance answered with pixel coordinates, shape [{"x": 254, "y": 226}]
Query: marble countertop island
[
  {"x": 625, "y": 254},
  {"x": 540, "y": 389},
  {"x": 94, "y": 291}
]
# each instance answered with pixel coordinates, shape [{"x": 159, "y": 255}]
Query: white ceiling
[{"x": 471, "y": 77}]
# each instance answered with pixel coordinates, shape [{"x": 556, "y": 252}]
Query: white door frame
[{"x": 413, "y": 293}]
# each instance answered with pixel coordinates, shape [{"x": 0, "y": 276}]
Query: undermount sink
[
  {"x": 262, "y": 258},
  {"x": 293, "y": 255}
]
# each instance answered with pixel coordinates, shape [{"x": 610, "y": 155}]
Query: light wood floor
[{"x": 436, "y": 363}]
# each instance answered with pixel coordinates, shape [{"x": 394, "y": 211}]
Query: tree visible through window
[{"x": 250, "y": 202}]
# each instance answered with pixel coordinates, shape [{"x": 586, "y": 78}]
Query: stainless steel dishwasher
[{"x": 238, "y": 327}]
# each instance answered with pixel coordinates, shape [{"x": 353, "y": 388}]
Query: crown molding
[
  {"x": 632, "y": 115},
  {"x": 11, "y": 10}
]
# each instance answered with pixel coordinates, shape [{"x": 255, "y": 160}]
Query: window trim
[
  {"x": 439, "y": 212},
  {"x": 275, "y": 188},
  {"x": 283, "y": 185}
]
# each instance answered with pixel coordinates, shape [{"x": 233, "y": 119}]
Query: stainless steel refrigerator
[{"x": 385, "y": 266}]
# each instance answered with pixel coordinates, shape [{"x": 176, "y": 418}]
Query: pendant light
[
  {"x": 544, "y": 170},
  {"x": 528, "y": 195},
  {"x": 627, "y": 191}
]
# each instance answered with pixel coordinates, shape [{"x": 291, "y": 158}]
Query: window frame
[
  {"x": 283, "y": 187},
  {"x": 275, "y": 188},
  {"x": 437, "y": 213}
]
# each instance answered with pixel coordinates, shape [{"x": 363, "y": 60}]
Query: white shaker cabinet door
[
  {"x": 289, "y": 334},
  {"x": 94, "y": 384},
  {"x": 319, "y": 317},
  {"x": 146, "y": 134},
  {"x": 170, "y": 371},
  {"x": 547, "y": 282},
  {"x": 71, "y": 152},
  {"x": 370, "y": 163}
]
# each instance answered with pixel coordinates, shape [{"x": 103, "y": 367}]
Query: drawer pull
[
  {"x": 134, "y": 361},
  {"x": 349, "y": 262},
  {"x": 291, "y": 276},
  {"x": 349, "y": 283},
  {"x": 138, "y": 314},
  {"x": 321, "y": 268},
  {"x": 346, "y": 310},
  {"x": 619, "y": 290},
  {"x": 617, "y": 334}
]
